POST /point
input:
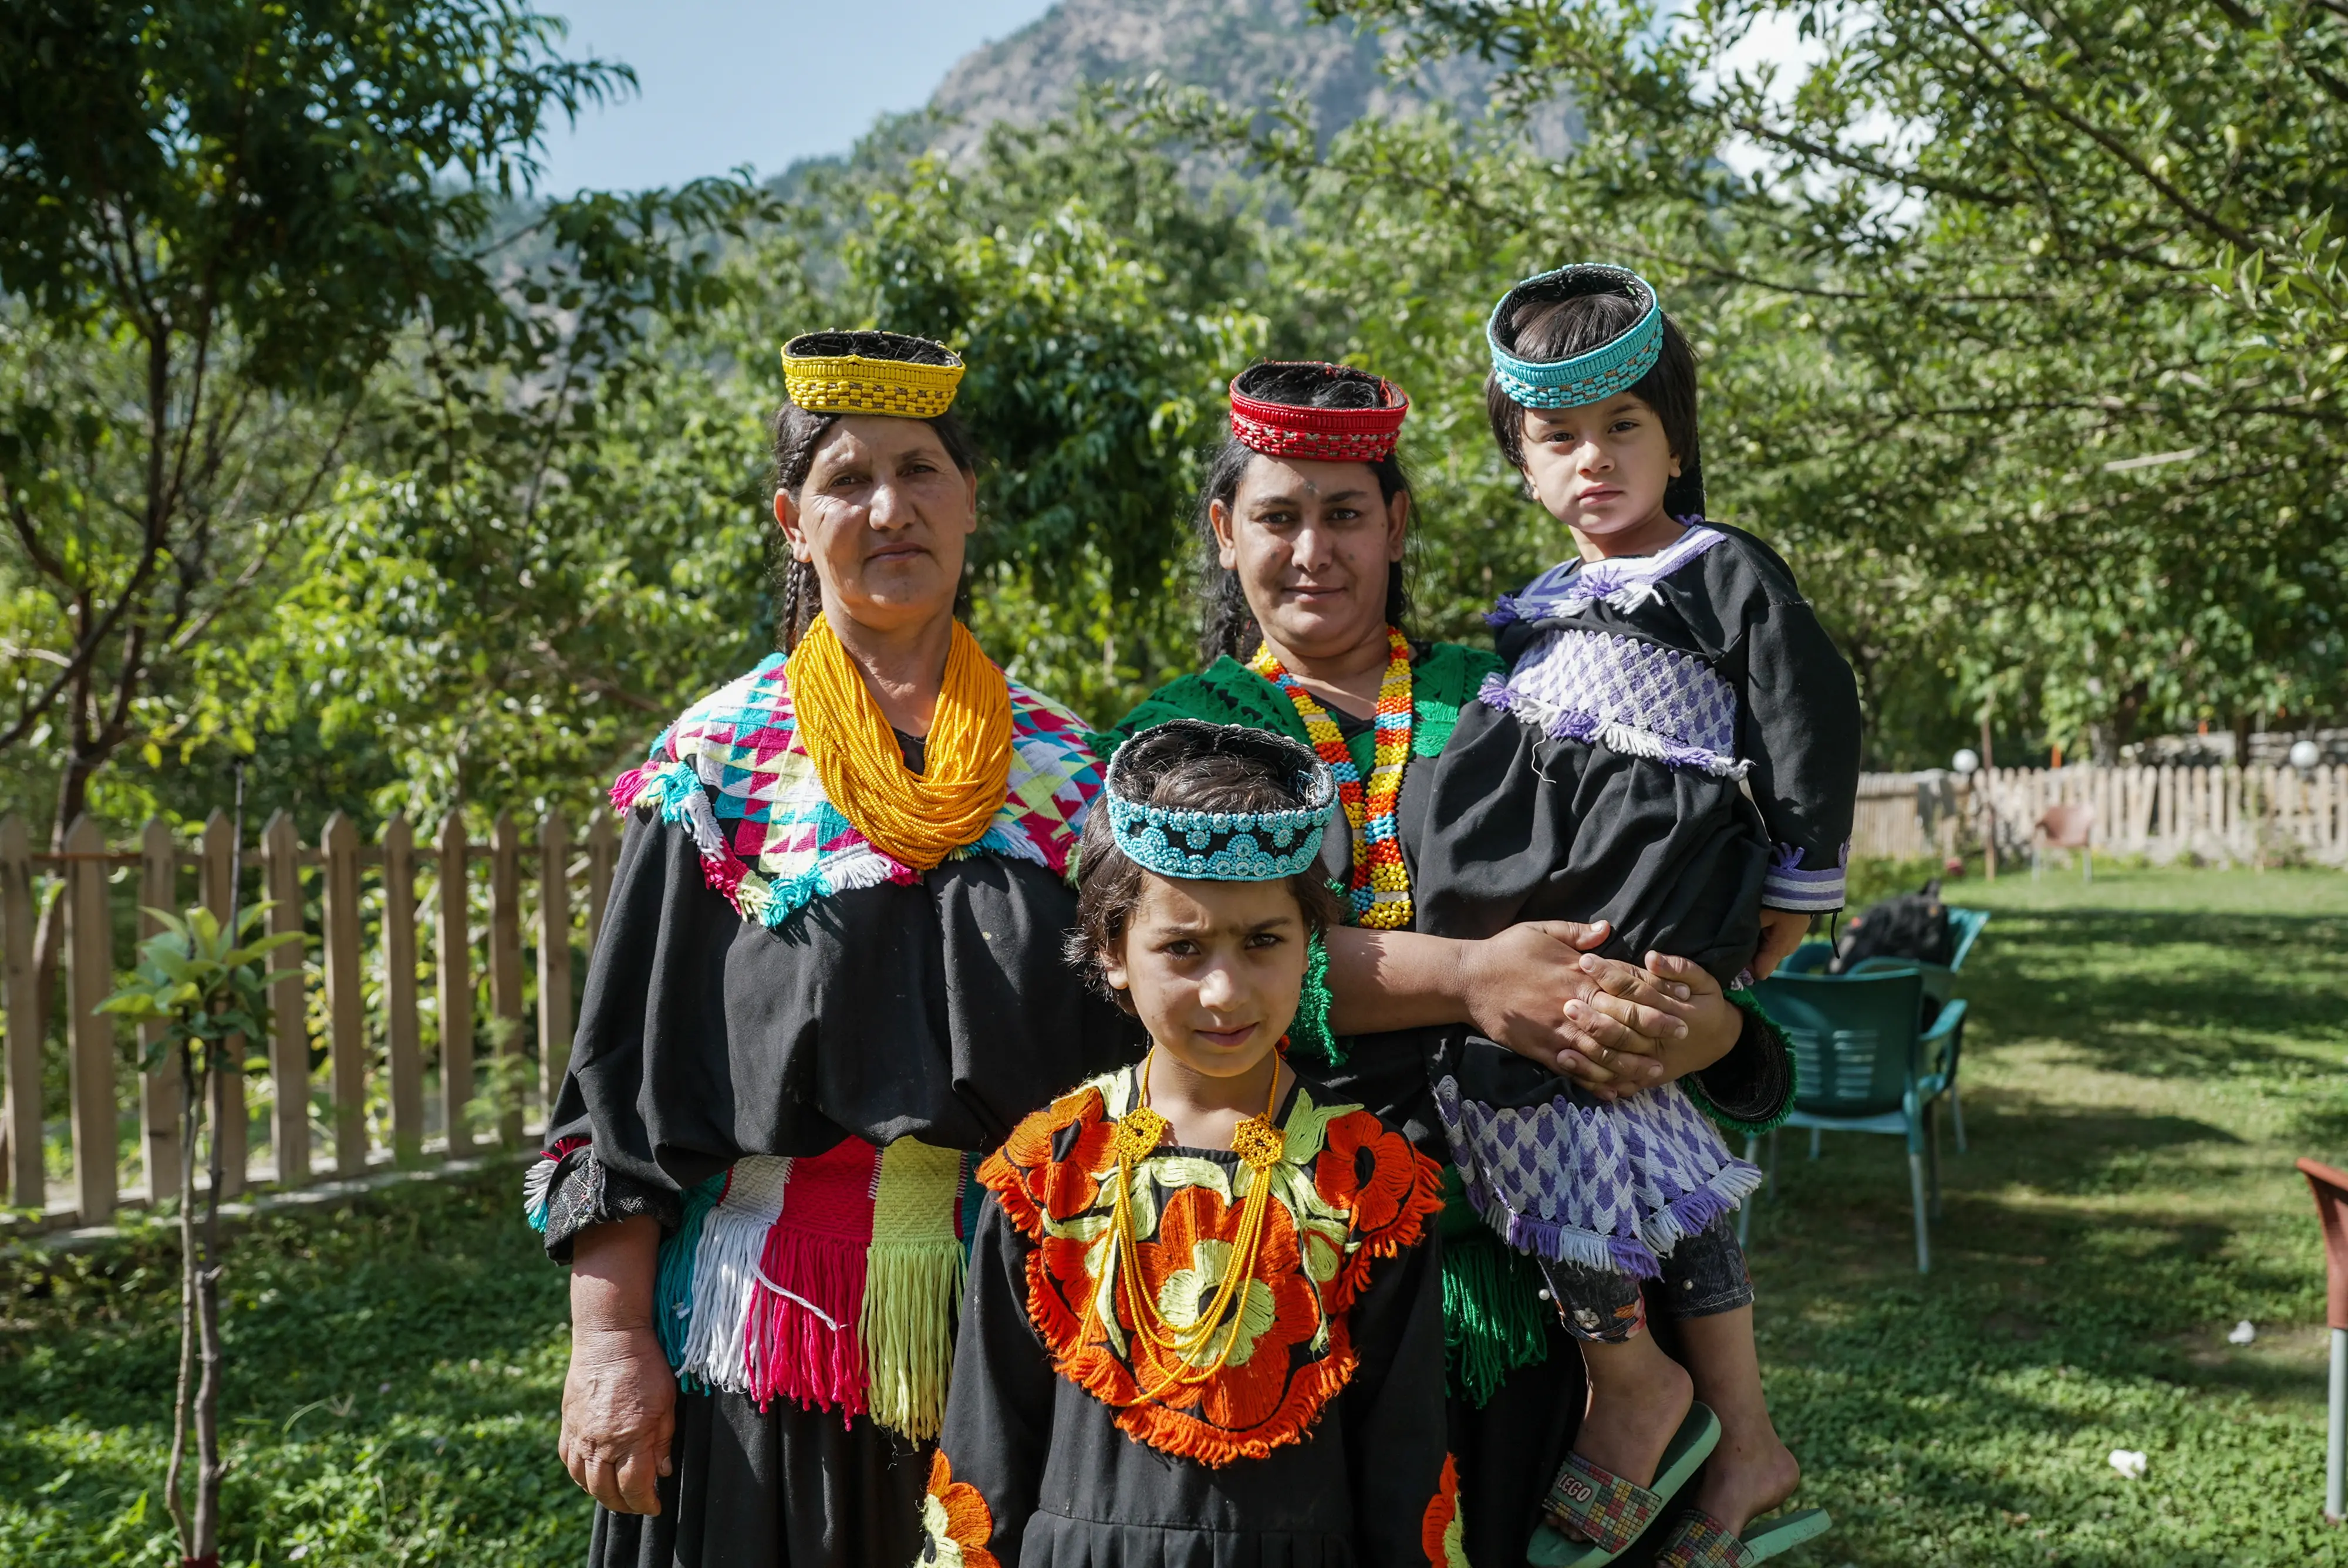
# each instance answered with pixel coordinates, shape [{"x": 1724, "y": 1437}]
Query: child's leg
[
  {"x": 1751, "y": 1472},
  {"x": 1638, "y": 1395}
]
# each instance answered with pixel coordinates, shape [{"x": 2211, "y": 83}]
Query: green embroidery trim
[
  {"x": 1310, "y": 1033},
  {"x": 1755, "y": 1018},
  {"x": 1443, "y": 683},
  {"x": 1494, "y": 1320}
]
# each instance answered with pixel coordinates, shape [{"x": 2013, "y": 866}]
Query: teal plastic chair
[
  {"x": 1940, "y": 985},
  {"x": 1863, "y": 1065},
  {"x": 1811, "y": 958},
  {"x": 1968, "y": 923}
]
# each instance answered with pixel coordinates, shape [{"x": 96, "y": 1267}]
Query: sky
[{"x": 722, "y": 82}]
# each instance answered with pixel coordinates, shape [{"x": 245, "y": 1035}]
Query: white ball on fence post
[
  {"x": 1967, "y": 761},
  {"x": 2305, "y": 754}
]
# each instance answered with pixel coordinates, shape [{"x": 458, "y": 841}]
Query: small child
[
  {"x": 1204, "y": 1322},
  {"x": 1674, "y": 751}
]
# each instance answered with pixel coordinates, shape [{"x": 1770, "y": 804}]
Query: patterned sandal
[
  {"x": 1700, "y": 1540},
  {"x": 1610, "y": 1512}
]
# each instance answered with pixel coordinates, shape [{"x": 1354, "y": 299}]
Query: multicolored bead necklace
[{"x": 1379, "y": 897}]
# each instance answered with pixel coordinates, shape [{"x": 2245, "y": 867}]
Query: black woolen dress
[{"x": 800, "y": 1100}]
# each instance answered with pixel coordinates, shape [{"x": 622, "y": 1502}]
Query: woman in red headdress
[{"x": 1303, "y": 520}]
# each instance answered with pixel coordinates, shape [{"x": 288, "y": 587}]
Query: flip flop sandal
[
  {"x": 1700, "y": 1540},
  {"x": 1613, "y": 1512}
]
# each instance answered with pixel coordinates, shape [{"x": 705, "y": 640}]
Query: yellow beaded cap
[{"x": 854, "y": 384}]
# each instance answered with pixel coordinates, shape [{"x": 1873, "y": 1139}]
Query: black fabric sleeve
[
  {"x": 1402, "y": 1477},
  {"x": 1799, "y": 722},
  {"x": 583, "y": 1192},
  {"x": 998, "y": 1423},
  {"x": 940, "y": 1009},
  {"x": 1750, "y": 1090}
]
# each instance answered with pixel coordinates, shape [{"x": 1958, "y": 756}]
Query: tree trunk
[
  {"x": 50, "y": 935},
  {"x": 207, "y": 1454},
  {"x": 191, "y": 1090}
]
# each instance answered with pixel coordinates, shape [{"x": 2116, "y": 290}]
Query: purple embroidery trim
[
  {"x": 1611, "y": 1186},
  {"x": 1623, "y": 581},
  {"x": 1632, "y": 696}
]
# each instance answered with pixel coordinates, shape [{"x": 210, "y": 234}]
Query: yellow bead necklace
[
  {"x": 918, "y": 819},
  {"x": 1258, "y": 1142}
]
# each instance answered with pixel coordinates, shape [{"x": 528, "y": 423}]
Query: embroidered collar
[
  {"x": 734, "y": 770},
  {"x": 1347, "y": 1191},
  {"x": 1619, "y": 581}
]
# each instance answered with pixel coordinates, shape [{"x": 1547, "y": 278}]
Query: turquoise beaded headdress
[
  {"x": 1223, "y": 846},
  {"x": 1587, "y": 378}
]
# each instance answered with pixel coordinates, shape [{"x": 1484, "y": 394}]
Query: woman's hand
[
  {"x": 1619, "y": 1043},
  {"x": 1534, "y": 989},
  {"x": 619, "y": 1398}
]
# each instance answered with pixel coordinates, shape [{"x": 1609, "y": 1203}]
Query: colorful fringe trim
[
  {"x": 833, "y": 1280},
  {"x": 1609, "y": 1186},
  {"x": 1494, "y": 1321},
  {"x": 913, "y": 1287}
]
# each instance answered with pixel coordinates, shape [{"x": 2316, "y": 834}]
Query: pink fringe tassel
[{"x": 788, "y": 1349}]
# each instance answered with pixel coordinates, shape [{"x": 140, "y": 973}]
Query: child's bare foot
[
  {"x": 1638, "y": 1397},
  {"x": 1742, "y": 1482},
  {"x": 1750, "y": 1472}
]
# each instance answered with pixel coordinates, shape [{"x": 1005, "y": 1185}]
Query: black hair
[
  {"x": 1546, "y": 329},
  {"x": 798, "y": 432},
  {"x": 1236, "y": 770},
  {"x": 1231, "y": 625}
]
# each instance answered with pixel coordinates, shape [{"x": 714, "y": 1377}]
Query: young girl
[
  {"x": 1204, "y": 1321},
  {"x": 1675, "y": 751}
]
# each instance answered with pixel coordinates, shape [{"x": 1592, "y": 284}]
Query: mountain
[{"x": 1241, "y": 50}]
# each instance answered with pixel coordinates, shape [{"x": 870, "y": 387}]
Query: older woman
[
  {"x": 830, "y": 967},
  {"x": 1305, "y": 514}
]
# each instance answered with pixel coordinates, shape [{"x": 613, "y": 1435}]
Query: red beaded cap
[{"x": 1329, "y": 435}]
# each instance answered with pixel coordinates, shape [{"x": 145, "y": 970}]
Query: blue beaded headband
[
  {"x": 1586, "y": 378},
  {"x": 1223, "y": 846}
]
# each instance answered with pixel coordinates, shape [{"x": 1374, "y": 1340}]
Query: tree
[
  {"x": 2072, "y": 273},
  {"x": 202, "y": 981}
]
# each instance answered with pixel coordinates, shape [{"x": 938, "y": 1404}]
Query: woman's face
[
  {"x": 1313, "y": 544},
  {"x": 884, "y": 518}
]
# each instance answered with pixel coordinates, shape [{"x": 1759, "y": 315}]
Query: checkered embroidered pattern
[
  {"x": 1379, "y": 896},
  {"x": 735, "y": 771},
  {"x": 1629, "y": 695},
  {"x": 1609, "y": 1186}
]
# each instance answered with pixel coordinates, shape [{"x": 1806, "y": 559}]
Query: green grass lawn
[{"x": 2146, "y": 1055}]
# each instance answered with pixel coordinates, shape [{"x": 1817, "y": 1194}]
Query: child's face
[
  {"x": 1600, "y": 469},
  {"x": 1214, "y": 969}
]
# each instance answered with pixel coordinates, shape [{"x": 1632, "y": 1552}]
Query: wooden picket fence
[
  {"x": 2259, "y": 815},
  {"x": 366, "y": 933}
]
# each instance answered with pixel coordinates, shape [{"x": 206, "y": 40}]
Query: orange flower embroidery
[
  {"x": 1044, "y": 1170},
  {"x": 1439, "y": 1533},
  {"x": 956, "y": 1520},
  {"x": 1365, "y": 1168},
  {"x": 1375, "y": 1195},
  {"x": 1181, "y": 1271}
]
